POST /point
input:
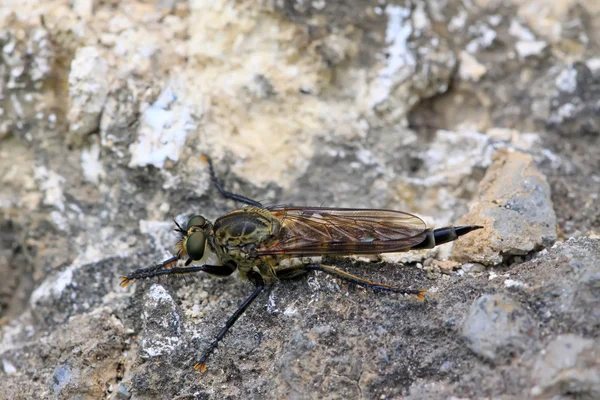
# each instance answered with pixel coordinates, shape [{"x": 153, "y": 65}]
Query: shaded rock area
[{"x": 479, "y": 112}]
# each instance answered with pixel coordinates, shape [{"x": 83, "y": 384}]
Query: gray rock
[
  {"x": 568, "y": 366},
  {"x": 161, "y": 323},
  {"x": 88, "y": 89},
  {"x": 334, "y": 103},
  {"x": 575, "y": 107},
  {"x": 571, "y": 304},
  {"x": 514, "y": 206},
  {"x": 122, "y": 393},
  {"x": 498, "y": 329}
]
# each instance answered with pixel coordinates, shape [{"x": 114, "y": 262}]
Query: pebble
[
  {"x": 497, "y": 328},
  {"x": 473, "y": 267},
  {"x": 568, "y": 366}
]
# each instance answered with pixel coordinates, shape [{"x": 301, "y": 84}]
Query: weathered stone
[
  {"x": 515, "y": 208},
  {"x": 88, "y": 88},
  {"x": 575, "y": 300},
  {"x": 568, "y": 366},
  {"x": 161, "y": 323},
  {"x": 498, "y": 329},
  {"x": 79, "y": 358}
]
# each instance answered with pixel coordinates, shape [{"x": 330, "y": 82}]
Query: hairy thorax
[{"x": 239, "y": 233}]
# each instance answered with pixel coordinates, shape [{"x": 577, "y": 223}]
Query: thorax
[{"x": 238, "y": 234}]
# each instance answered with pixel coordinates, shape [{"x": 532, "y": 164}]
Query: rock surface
[
  {"x": 498, "y": 328},
  {"x": 514, "y": 206},
  {"x": 451, "y": 110},
  {"x": 570, "y": 364}
]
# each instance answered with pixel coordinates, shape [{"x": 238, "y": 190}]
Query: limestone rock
[{"x": 515, "y": 208}]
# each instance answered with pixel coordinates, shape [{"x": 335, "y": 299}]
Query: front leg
[{"x": 167, "y": 268}]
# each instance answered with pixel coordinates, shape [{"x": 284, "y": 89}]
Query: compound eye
[
  {"x": 196, "y": 220},
  {"x": 195, "y": 245}
]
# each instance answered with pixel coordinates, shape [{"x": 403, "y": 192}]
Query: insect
[{"x": 253, "y": 240}]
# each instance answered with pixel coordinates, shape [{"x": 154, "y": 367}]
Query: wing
[{"x": 342, "y": 231}]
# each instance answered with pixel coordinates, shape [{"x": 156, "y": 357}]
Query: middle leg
[{"x": 260, "y": 284}]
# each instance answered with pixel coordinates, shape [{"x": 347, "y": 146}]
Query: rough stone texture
[
  {"x": 514, "y": 206},
  {"x": 88, "y": 89},
  {"x": 78, "y": 359},
  {"x": 498, "y": 329},
  {"x": 570, "y": 364},
  {"x": 105, "y": 108}
]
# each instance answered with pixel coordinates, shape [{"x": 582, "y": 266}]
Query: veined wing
[{"x": 342, "y": 231}]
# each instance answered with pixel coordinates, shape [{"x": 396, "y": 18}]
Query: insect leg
[
  {"x": 164, "y": 268},
  {"x": 363, "y": 282},
  {"x": 224, "y": 193},
  {"x": 260, "y": 284}
]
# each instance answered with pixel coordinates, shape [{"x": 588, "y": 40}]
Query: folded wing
[{"x": 342, "y": 231}]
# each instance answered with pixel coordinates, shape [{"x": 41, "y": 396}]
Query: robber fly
[{"x": 253, "y": 240}]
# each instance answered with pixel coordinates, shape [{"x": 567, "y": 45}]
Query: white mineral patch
[
  {"x": 513, "y": 283},
  {"x": 9, "y": 368},
  {"x": 163, "y": 131},
  {"x": 366, "y": 157},
  {"x": 566, "y": 81},
  {"x": 271, "y": 304},
  {"x": 60, "y": 220},
  {"x": 408, "y": 257},
  {"x": 93, "y": 170},
  {"x": 470, "y": 69},
  {"x": 494, "y": 20},
  {"x": 526, "y": 141},
  {"x": 526, "y": 48},
  {"x": 502, "y": 133},
  {"x": 519, "y": 31},
  {"x": 547, "y": 17},
  {"x": 458, "y": 22},
  {"x": 53, "y": 286},
  {"x": 158, "y": 293},
  {"x": 154, "y": 347},
  {"x": 88, "y": 89},
  {"x": 565, "y": 111},
  {"x": 51, "y": 184},
  {"x": 400, "y": 62},
  {"x": 290, "y": 311},
  {"x": 15, "y": 333},
  {"x": 156, "y": 343},
  {"x": 593, "y": 64},
  {"x": 452, "y": 155},
  {"x": 158, "y": 231},
  {"x": 419, "y": 17},
  {"x": 484, "y": 38},
  {"x": 83, "y": 8}
]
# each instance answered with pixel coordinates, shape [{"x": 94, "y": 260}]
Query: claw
[
  {"x": 125, "y": 281},
  {"x": 200, "y": 367}
]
